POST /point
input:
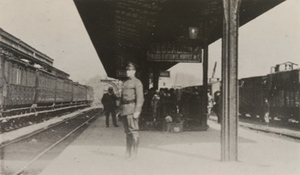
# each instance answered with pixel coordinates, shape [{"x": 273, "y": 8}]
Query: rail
[{"x": 41, "y": 112}]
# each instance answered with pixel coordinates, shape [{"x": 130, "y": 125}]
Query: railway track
[
  {"x": 31, "y": 154},
  {"x": 290, "y": 130},
  {"x": 23, "y": 118}
]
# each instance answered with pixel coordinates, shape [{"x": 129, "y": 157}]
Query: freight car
[
  {"x": 280, "y": 87},
  {"x": 284, "y": 92},
  {"x": 28, "y": 79},
  {"x": 252, "y": 91}
]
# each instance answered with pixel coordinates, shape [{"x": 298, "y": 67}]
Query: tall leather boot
[
  {"x": 135, "y": 143},
  {"x": 129, "y": 142}
]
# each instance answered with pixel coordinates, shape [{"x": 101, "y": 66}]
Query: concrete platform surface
[{"x": 100, "y": 150}]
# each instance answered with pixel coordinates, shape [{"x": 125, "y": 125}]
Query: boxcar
[
  {"x": 252, "y": 92},
  {"x": 284, "y": 89}
]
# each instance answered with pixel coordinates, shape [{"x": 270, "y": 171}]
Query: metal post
[
  {"x": 229, "y": 132},
  {"x": 155, "y": 77},
  {"x": 205, "y": 97},
  {"x": 2, "y": 83},
  {"x": 145, "y": 76}
]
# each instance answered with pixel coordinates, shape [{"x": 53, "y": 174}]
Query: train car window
[
  {"x": 19, "y": 76},
  {"x": 287, "y": 97},
  {"x": 16, "y": 74},
  {"x": 297, "y": 99},
  {"x": 12, "y": 73},
  {"x": 24, "y": 76},
  {"x": 281, "y": 98},
  {"x": 32, "y": 79},
  {"x": 292, "y": 97},
  {"x": 6, "y": 73}
]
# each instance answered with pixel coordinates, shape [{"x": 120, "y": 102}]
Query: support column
[
  {"x": 205, "y": 75},
  {"x": 155, "y": 77},
  {"x": 2, "y": 83},
  {"x": 145, "y": 77},
  {"x": 229, "y": 124}
]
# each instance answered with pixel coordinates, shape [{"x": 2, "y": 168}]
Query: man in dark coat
[
  {"x": 109, "y": 102},
  {"x": 131, "y": 103}
]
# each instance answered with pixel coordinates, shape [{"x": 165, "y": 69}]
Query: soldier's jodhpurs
[{"x": 131, "y": 128}]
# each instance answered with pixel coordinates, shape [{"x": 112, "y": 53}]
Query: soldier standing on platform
[{"x": 131, "y": 103}]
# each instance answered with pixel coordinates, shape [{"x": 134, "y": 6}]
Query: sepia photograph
[{"x": 149, "y": 87}]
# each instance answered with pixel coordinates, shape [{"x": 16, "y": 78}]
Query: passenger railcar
[
  {"x": 28, "y": 78},
  {"x": 89, "y": 94},
  {"x": 18, "y": 88},
  {"x": 46, "y": 89}
]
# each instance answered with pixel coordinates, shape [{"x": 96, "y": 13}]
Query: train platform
[{"x": 101, "y": 150}]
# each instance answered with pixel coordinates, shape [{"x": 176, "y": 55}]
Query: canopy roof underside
[{"x": 123, "y": 30}]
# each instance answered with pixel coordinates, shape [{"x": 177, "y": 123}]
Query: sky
[{"x": 55, "y": 28}]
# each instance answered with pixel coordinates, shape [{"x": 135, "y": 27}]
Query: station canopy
[{"x": 125, "y": 30}]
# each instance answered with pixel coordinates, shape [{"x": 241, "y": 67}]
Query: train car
[
  {"x": 281, "y": 88},
  {"x": 30, "y": 86},
  {"x": 284, "y": 94},
  {"x": 59, "y": 90},
  {"x": 90, "y": 94},
  {"x": 252, "y": 91},
  {"x": 79, "y": 93},
  {"x": 63, "y": 93},
  {"x": 68, "y": 90},
  {"x": 46, "y": 88},
  {"x": 28, "y": 77},
  {"x": 18, "y": 82},
  {"x": 18, "y": 87}
]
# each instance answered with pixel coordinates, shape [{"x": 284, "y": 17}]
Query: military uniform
[{"x": 131, "y": 102}]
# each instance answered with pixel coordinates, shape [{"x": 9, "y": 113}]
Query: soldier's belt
[{"x": 128, "y": 101}]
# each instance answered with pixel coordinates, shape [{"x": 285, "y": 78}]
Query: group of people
[{"x": 160, "y": 104}]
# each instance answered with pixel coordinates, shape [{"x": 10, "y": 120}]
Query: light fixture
[{"x": 193, "y": 32}]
